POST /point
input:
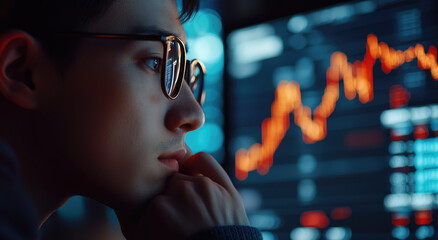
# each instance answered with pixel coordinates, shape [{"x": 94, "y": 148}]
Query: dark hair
[{"x": 38, "y": 17}]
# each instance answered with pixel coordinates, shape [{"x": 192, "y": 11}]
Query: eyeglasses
[{"x": 174, "y": 66}]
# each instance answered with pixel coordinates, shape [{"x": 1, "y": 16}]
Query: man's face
[{"x": 110, "y": 120}]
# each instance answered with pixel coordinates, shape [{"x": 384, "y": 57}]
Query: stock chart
[{"x": 332, "y": 121}]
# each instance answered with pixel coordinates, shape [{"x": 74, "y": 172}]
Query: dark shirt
[{"x": 18, "y": 218}]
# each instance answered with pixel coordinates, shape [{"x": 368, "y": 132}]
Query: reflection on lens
[
  {"x": 194, "y": 83},
  {"x": 196, "y": 91},
  {"x": 194, "y": 86},
  {"x": 197, "y": 71},
  {"x": 168, "y": 76},
  {"x": 173, "y": 67}
]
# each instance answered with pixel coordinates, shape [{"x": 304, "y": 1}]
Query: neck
[
  {"x": 43, "y": 199},
  {"x": 42, "y": 183},
  {"x": 40, "y": 165}
]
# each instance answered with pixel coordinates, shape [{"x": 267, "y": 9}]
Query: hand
[{"x": 199, "y": 197}]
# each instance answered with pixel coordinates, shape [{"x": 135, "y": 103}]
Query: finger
[
  {"x": 178, "y": 183},
  {"x": 205, "y": 164},
  {"x": 200, "y": 194}
]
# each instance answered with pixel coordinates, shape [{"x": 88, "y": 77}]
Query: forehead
[{"x": 131, "y": 16}]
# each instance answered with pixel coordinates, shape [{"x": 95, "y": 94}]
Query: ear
[{"x": 17, "y": 49}]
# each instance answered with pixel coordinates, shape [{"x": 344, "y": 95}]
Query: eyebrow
[{"x": 151, "y": 29}]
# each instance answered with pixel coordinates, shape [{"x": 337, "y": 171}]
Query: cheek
[
  {"x": 117, "y": 124},
  {"x": 112, "y": 107}
]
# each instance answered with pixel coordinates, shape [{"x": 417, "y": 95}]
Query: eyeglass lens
[
  {"x": 195, "y": 80},
  {"x": 173, "y": 68}
]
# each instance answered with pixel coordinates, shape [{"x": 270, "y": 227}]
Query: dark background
[{"x": 241, "y": 13}]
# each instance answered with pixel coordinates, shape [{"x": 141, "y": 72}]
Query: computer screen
[{"x": 332, "y": 121}]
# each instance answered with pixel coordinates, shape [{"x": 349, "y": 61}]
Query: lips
[{"x": 171, "y": 160}]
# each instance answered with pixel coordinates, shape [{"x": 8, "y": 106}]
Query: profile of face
[{"x": 106, "y": 118}]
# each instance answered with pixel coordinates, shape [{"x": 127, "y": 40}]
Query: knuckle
[
  {"x": 178, "y": 182},
  {"x": 157, "y": 205},
  {"x": 182, "y": 184},
  {"x": 205, "y": 183},
  {"x": 175, "y": 177},
  {"x": 203, "y": 155},
  {"x": 157, "y": 201},
  {"x": 204, "y": 180}
]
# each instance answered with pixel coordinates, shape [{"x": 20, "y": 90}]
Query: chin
[{"x": 135, "y": 199}]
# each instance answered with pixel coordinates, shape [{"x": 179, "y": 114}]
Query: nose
[{"x": 184, "y": 113}]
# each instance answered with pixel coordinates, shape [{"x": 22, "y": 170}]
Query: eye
[{"x": 153, "y": 63}]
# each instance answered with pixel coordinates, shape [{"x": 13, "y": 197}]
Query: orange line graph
[{"x": 358, "y": 81}]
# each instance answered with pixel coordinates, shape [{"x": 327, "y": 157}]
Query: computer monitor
[{"x": 332, "y": 121}]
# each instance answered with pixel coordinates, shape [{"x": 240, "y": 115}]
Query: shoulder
[{"x": 18, "y": 219}]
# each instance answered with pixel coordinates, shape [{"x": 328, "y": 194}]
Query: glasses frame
[
  {"x": 188, "y": 66},
  {"x": 191, "y": 78}
]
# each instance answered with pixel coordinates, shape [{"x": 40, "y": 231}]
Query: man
[{"x": 94, "y": 102}]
